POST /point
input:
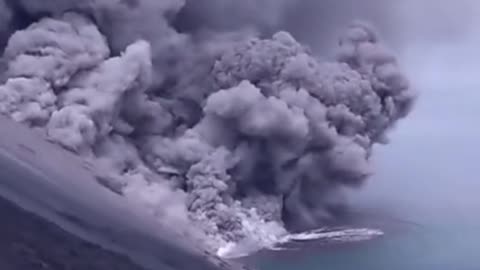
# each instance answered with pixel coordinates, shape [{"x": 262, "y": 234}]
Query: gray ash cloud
[{"x": 204, "y": 117}]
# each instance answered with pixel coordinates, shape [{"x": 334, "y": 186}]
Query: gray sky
[
  {"x": 441, "y": 41},
  {"x": 434, "y": 151},
  {"x": 441, "y": 57}
]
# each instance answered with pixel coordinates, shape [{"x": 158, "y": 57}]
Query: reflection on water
[{"x": 424, "y": 196}]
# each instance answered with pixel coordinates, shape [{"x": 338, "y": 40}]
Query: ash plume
[{"x": 225, "y": 122}]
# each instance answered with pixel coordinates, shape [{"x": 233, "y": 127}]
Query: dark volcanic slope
[
  {"x": 30, "y": 242},
  {"x": 56, "y": 216}
]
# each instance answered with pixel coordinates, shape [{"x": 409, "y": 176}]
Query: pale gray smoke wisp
[{"x": 224, "y": 122}]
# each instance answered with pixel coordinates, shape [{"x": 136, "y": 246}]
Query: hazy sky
[
  {"x": 442, "y": 57},
  {"x": 433, "y": 37},
  {"x": 441, "y": 41},
  {"x": 433, "y": 157}
]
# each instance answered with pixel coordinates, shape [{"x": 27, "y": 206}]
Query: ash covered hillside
[{"x": 226, "y": 126}]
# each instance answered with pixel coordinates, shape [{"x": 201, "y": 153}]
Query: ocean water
[{"x": 424, "y": 197}]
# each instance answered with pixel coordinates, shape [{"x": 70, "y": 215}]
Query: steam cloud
[{"x": 205, "y": 118}]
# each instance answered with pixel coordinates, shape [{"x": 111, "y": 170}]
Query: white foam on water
[
  {"x": 227, "y": 250},
  {"x": 345, "y": 235}
]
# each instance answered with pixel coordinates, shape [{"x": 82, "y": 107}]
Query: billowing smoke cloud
[
  {"x": 311, "y": 21},
  {"x": 220, "y": 121}
]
